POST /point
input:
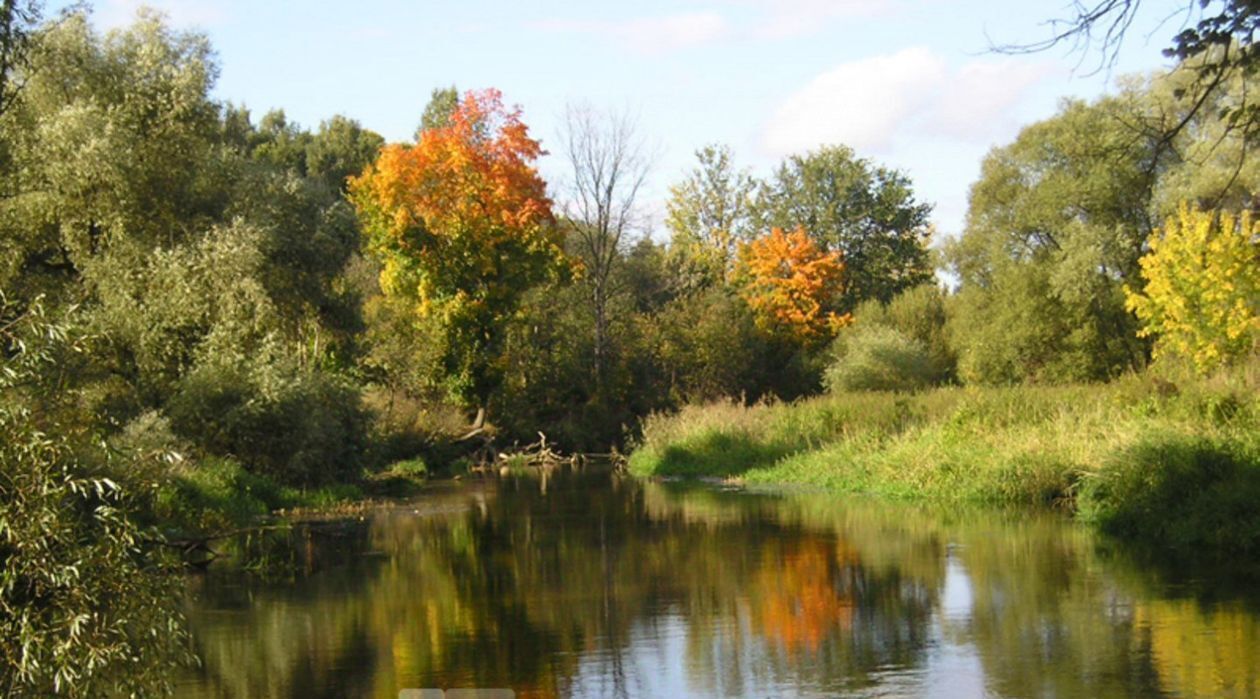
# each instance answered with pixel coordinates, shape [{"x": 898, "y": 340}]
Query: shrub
[
  {"x": 878, "y": 358},
  {"x": 1187, "y": 494},
  {"x": 300, "y": 427}
]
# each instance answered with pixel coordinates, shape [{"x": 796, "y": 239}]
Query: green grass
[
  {"x": 1176, "y": 463},
  {"x": 219, "y": 494}
]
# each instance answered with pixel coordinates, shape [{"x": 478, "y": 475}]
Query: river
[{"x": 594, "y": 584}]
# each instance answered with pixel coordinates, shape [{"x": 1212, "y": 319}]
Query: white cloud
[
  {"x": 859, "y": 103},
  {"x": 981, "y": 95},
  {"x": 650, "y": 34},
  {"x": 871, "y": 103}
]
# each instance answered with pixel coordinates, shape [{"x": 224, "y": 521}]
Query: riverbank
[{"x": 1171, "y": 463}]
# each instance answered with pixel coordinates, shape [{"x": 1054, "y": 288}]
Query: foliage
[
  {"x": 1055, "y": 225},
  {"x": 1137, "y": 450},
  {"x": 792, "y": 286},
  {"x": 297, "y": 427},
  {"x": 462, "y": 225},
  {"x": 88, "y": 602},
  {"x": 878, "y": 358},
  {"x": 866, "y": 212},
  {"x": 1201, "y": 296},
  {"x": 709, "y": 214},
  {"x": 1186, "y": 493},
  {"x": 920, "y": 313}
]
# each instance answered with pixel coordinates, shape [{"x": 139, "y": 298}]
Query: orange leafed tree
[
  {"x": 791, "y": 285},
  {"x": 462, "y": 226}
]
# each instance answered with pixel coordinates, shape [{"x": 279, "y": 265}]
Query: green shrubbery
[
  {"x": 1176, "y": 464},
  {"x": 87, "y": 593},
  {"x": 878, "y": 358}
]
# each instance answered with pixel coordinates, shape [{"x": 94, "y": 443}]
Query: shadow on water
[{"x": 598, "y": 585}]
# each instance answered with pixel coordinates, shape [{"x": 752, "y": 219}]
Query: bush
[
  {"x": 878, "y": 358},
  {"x": 1188, "y": 494},
  {"x": 918, "y": 313},
  {"x": 297, "y": 426}
]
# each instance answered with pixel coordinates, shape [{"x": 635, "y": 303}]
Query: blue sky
[{"x": 907, "y": 83}]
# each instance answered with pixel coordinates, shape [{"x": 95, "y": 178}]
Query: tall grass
[{"x": 1174, "y": 460}]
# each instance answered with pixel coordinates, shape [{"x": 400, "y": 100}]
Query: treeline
[
  {"x": 309, "y": 304},
  {"x": 202, "y": 312}
]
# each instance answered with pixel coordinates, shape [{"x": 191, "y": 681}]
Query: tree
[
  {"x": 112, "y": 152},
  {"x": 443, "y": 102},
  {"x": 89, "y": 606},
  {"x": 1055, "y": 225},
  {"x": 792, "y": 284},
  {"x": 462, "y": 226},
  {"x": 341, "y": 148},
  {"x": 1217, "y": 39},
  {"x": 919, "y": 314},
  {"x": 865, "y": 212},
  {"x": 1201, "y": 296},
  {"x": 608, "y": 164},
  {"x": 18, "y": 18},
  {"x": 709, "y": 213}
]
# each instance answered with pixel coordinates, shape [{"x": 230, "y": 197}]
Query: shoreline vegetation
[
  {"x": 1165, "y": 463},
  {"x": 210, "y": 315}
]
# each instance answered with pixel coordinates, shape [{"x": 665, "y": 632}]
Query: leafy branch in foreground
[{"x": 87, "y": 606}]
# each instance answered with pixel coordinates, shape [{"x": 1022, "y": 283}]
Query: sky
[{"x": 911, "y": 84}]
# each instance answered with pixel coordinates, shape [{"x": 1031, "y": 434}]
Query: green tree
[
  {"x": 443, "y": 102},
  {"x": 878, "y": 358},
  {"x": 88, "y": 603},
  {"x": 865, "y": 211},
  {"x": 709, "y": 213},
  {"x": 341, "y": 148},
  {"x": 1055, "y": 225},
  {"x": 919, "y": 314}
]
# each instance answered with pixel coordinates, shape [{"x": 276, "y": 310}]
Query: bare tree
[
  {"x": 1219, "y": 34},
  {"x": 1214, "y": 42},
  {"x": 609, "y": 164}
]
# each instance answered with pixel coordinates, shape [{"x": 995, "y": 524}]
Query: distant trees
[
  {"x": 866, "y": 212},
  {"x": 1055, "y": 225},
  {"x": 1059, "y": 220},
  {"x": 709, "y": 214},
  {"x": 608, "y": 164}
]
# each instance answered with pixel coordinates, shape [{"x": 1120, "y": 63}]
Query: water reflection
[{"x": 596, "y": 585}]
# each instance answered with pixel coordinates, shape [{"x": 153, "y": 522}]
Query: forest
[{"x": 207, "y": 315}]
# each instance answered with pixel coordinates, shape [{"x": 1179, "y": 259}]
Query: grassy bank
[
  {"x": 220, "y": 495},
  {"x": 1175, "y": 463}
]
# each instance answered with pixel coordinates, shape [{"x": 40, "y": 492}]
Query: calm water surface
[{"x": 597, "y": 585}]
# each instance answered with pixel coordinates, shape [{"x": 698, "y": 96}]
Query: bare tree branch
[{"x": 609, "y": 164}]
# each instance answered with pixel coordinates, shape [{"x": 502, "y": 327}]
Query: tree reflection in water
[{"x": 595, "y": 585}]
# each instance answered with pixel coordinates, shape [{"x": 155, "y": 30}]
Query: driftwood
[{"x": 540, "y": 454}]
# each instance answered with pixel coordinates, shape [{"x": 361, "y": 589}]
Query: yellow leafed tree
[{"x": 1201, "y": 299}]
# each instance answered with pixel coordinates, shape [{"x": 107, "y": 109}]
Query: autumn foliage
[
  {"x": 791, "y": 284},
  {"x": 1201, "y": 298},
  {"x": 461, "y": 224}
]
